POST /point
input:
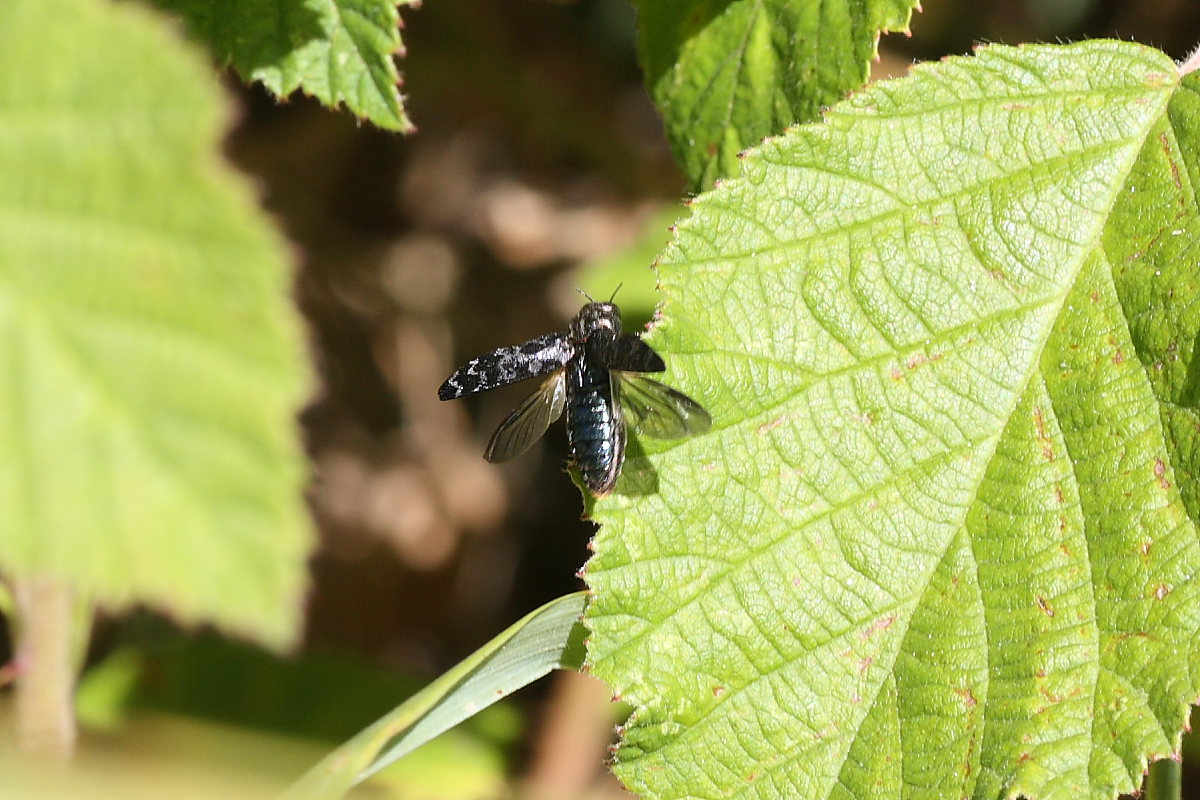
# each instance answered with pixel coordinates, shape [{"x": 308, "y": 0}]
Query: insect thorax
[{"x": 594, "y": 317}]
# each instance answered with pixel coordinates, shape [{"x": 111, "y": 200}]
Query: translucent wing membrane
[
  {"x": 528, "y": 421},
  {"x": 657, "y": 410},
  {"x": 507, "y": 365}
]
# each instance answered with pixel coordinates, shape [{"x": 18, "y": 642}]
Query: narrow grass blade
[{"x": 549, "y": 638}]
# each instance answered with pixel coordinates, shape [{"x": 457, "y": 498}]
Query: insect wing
[
  {"x": 658, "y": 410},
  {"x": 623, "y": 351},
  {"x": 528, "y": 421},
  {"x": 510, "y": 364}
]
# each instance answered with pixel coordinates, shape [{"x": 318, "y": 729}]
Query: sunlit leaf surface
[{"x": 941, "y": 541}]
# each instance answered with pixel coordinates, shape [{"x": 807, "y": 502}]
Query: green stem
[
  {"x": 1164, "y": 782},
  {"x": 45, "y": 657}
]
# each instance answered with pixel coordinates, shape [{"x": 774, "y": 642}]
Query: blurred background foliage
[{"x": 539, "y": 167}]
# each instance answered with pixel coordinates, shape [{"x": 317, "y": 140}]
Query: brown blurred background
[{"x": 538, "y": 153}]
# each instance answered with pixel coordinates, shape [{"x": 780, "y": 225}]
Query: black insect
[{"x": 597, "y": 378}]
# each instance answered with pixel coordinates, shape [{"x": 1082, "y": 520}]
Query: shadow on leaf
[{"x": 638, "y": 476}]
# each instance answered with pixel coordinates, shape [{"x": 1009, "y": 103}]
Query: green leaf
[
  {"x": 941, "y": 541},
  {"x": 548, "y": 638},
  {"x": 726, "y": 73},
  {"x": 339, "y": 51},
  {"x": 152, "y": 361}
]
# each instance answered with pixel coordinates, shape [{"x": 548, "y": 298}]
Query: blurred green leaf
[
  {"x": 726, "y": 73},
  {"x": 451, "y": 767},
  {"x": 631, "y": 270},
  {"x": 152, "y": 361},
  {"x": 941, "y": 540},
  {"x": 153, "y": 756},
  {"x": 211, "y": 677},
  {"x": 106, "y": 691},
  {"x": 545, "y": 639},
  {"x": 339, "y": 51},
  {"x": 209, "y": 687}
]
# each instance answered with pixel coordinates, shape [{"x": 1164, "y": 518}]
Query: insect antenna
[
  {"x": 614, "y": 294},
  {"x": 585, "y": 294}
]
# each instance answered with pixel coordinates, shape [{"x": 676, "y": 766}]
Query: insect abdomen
[{"x": 595, "y": 434}]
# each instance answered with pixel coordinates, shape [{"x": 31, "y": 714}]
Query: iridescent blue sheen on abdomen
[{"x": 593, "y": 433}]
